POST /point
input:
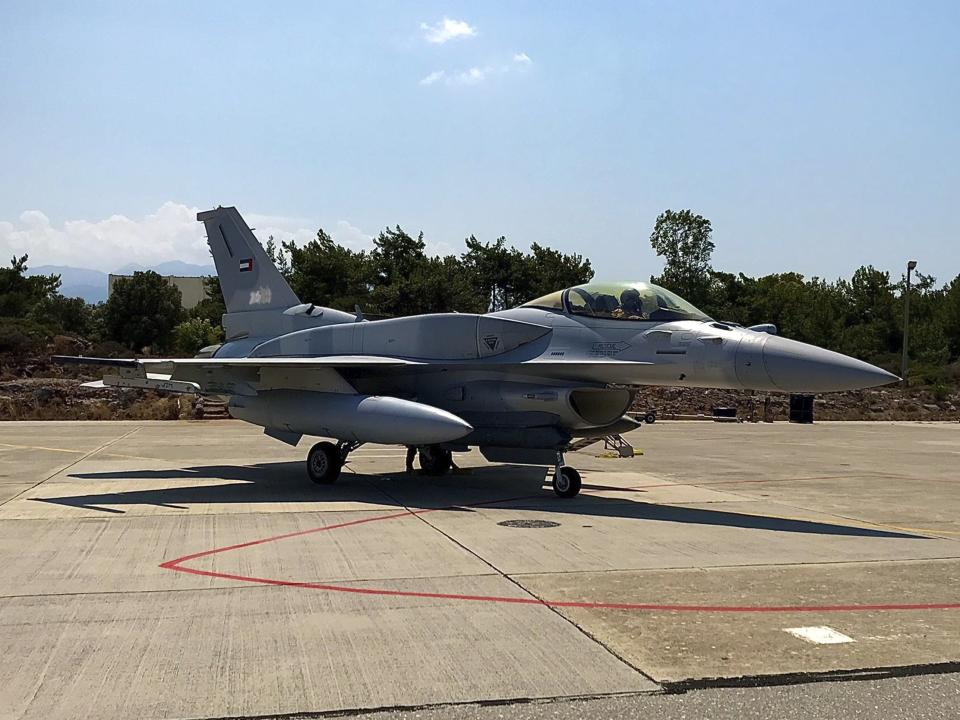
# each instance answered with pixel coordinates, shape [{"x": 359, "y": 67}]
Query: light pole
[{"x": 906, "y": 324}]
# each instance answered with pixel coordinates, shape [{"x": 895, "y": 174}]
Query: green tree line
[
  {"x": 397, "y": 277},
  {"x": 861, "y": 316}
]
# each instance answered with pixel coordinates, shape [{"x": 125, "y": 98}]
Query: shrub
[
  {"x": 194, "y": 334},
  {"x": 142, "y": 311},
  {"x": 21, "y": 337}
]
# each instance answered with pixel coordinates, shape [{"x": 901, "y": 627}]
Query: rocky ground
[
  {"x": 64, "y": 399},
  {"x": 35, "y": 390},
  {"x": 890, "y": 403}
]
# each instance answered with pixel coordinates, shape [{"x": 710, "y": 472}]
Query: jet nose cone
[{"x": 797, "y": 367}]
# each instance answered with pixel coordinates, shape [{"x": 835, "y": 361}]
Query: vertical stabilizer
[{"x": 248, "y": 278}]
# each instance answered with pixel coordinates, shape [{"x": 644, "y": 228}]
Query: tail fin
[{"x": 248, "y": 278}]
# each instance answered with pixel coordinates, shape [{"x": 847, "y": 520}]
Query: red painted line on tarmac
[
  {"x": 169, "y": 564},
  {"x": 177, "y": 566}
]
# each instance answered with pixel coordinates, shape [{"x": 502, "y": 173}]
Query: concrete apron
[{"x": 121, "y": 593}]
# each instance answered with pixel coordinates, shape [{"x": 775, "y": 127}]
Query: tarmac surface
[
  {"x": 190, "y": 570},
  {"x": 929, "y": 697}
]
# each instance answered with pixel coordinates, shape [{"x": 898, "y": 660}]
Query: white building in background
[{"x": 191, "y": 288}]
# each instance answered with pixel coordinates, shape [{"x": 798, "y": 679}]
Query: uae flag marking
[{"x": 246, "y": 265}]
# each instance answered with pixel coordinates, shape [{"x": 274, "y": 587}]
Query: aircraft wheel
[
  {"x": 566, "y": 484},
  {"x": 435, "y": 460},
  {"x": 324, "y": 463}
]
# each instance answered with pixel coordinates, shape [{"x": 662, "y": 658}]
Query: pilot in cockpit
[{"x": 630, "y": 306}]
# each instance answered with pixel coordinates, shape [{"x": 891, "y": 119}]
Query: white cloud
[
  {"x": 171, "y": 233},
  {"x": 472, "y": 76},
  {"x": 282, "y": 229},
  {"x": 476, "y": 75},
  {"x": 439, "y": 248},
  {"x": 433, "y": 77},
  {"x": 351, "y": 237},
  {"x": 446, "y": 30}
]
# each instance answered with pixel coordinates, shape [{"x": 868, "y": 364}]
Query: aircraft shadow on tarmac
[{"x": 504, "y": 486}]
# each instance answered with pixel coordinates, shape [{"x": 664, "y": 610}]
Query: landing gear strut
[
  {"x": 435, "y": 460},
  {"x": 566, "y": 480},
  {"x": 325, "y": 460}
]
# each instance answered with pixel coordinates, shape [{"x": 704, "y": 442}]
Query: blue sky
[{"x": 816, "y": 136}]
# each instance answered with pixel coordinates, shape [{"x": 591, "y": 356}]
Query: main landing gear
[
  {"x": 435, "y": 460},
  {"x": 325, "y": 460},
  {"x": 566, "y": 480}
]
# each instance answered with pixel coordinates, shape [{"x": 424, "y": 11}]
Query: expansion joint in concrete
[
  {"x": 69, "y": 465},
  {"x": 525, "y": 591}
]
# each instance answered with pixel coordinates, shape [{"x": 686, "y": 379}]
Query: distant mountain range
[{"x": 91, "y": 285}]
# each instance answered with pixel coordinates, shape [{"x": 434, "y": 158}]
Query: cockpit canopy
[{"x": 620, "y": 301}]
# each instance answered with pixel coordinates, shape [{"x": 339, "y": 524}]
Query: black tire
[
  {"x": 435, "y": 460},
  {"x": 650, "y": 418},
  {"x": 567, "y": 484},
  {"x": 324, "y": 463}
]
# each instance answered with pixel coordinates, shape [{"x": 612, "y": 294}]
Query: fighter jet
[{"x": 520, "y": 384}]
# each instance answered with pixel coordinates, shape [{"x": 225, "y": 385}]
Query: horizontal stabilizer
[{"x": 152, "y": 381}]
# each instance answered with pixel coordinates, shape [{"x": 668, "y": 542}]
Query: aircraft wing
[
  {"x": 247, "y": 376},
  {"x": 232, "y": 376}
]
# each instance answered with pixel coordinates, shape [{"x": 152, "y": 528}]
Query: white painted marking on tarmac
[{"x": 820, "y": 634}]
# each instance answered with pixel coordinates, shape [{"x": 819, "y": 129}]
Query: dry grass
[{"x": 149, "y": 407}]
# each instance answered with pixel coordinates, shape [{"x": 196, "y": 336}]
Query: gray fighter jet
[{"x": 521, "y": 384}]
